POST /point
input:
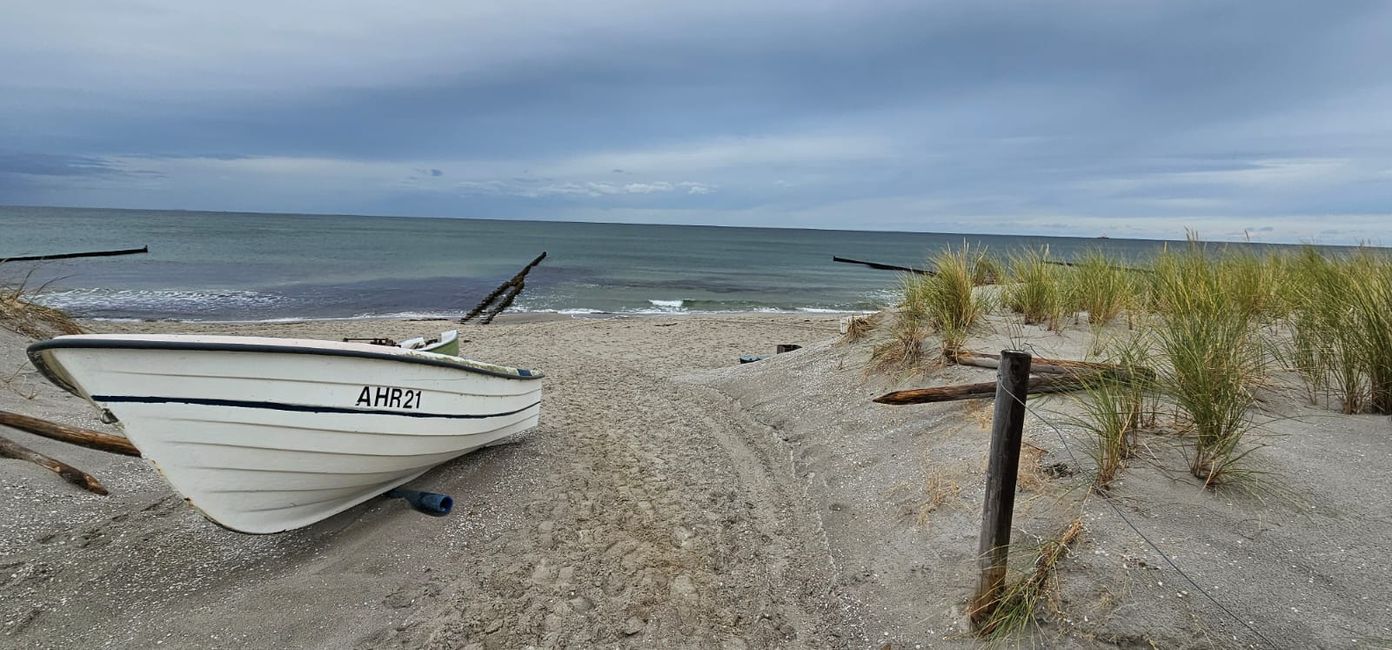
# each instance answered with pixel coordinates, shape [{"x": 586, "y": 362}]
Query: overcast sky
[{"x": 1125, "y": 118}]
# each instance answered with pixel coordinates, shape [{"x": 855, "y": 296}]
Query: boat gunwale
[{"x": 35, "y": 352}]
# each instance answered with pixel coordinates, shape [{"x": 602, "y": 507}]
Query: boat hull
[{"x": 267, "y": 435}]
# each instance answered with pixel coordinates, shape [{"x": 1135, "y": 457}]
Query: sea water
[{"x": 237, "y": 266}]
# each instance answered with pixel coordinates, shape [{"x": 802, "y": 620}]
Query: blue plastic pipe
[{"x": 430, "y": 503}]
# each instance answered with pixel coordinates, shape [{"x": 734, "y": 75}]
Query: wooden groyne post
[
  {"x": 883, "y": 267},
  {"x": 501, "y": 298},
  {"x": 67, "y": 256},
  {"x": 1007, "y": 432}
]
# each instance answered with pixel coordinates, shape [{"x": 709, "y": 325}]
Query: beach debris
[
  {"x": 370, "y": 340},
  {"x": 1045, "y": 366},
  {"x": 430, "y": 503},
  {"x": 983, "y": 390},
  {"x": 1059, "y": 470},
  {"x": 12, "y": 449},
  {"x": 69, "y": 434},
  {"x": 856, "y": 327},
  {"x": 782, "y": 347},
  {"x": 68, "y": 256},
  {"x": 883, "y": 267},
  {"x": 501, "y": 298}
]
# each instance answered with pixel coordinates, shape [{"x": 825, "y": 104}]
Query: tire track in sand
[{"x": 651, "y": 523}]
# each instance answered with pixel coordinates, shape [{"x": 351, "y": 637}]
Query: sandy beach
[
  {"x": 672, "y": 497},
  {"x": 744, "y": 296}
]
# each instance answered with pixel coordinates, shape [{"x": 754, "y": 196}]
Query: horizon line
[{"x": 1104, "y": 237}]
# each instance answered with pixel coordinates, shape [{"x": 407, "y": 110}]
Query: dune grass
[
  {"x": 1219, "y": 313},
  {"x": 1035, "y": 288},
  {"x": 1212, "y": 359},
  {"x": 1371, "y": 319},
  {"x": 1115, "y": 407},
  {"x": 1019, "y": 602},
  {"x": 1100, "y": 286},
  {"x": 1323, "y": 348},
  {"x": 1340, "y": 319},
  {"x": 20, "y": 314},
  {"x": 987, "y": 270},
  {"x": 946, "y": 301},
  {"x": 1254, "y": 283},
  {"x": 904, "y": 351}
]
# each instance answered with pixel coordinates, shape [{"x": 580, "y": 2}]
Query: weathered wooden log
[
  {"x": 12, "y": 449},
  {"x": 512, "y": 287},
  {"x": 1043, "y": 366},
  {"x": 68, "y": 256},
  {"x": 957, "y": 392},
  {"x": 69, "y": 434},
  {"x": 883, "y": 267}
]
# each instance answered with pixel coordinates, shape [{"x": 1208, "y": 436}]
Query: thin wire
[{"x": 1153, "y": 545}]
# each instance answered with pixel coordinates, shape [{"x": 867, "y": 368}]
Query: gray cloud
[
  {"x": 1140, "y": 118},
  {"x": 42, "y": 164}
]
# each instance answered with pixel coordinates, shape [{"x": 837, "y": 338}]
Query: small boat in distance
[{"x": 264, "y": 435}]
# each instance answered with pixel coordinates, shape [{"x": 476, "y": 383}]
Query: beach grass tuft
[
  {"x": 947, "y": 300},
  {"x": 1340, "y": 318},
  {"x": 1212, "y": 359},
  {"x": 1253, "y": 283},
  {"x": 1112, "y": 408},
  {"x": 20, "y": 314},
  {"x": 987, "y": 270},
  {"x": 1099, "y": 285},
  {"x": 1371, "y": 318},
  {"x": 1021, "y": 599},
  {"x": 1035, "y": 288},
  {"x": 904, "y": 351}
]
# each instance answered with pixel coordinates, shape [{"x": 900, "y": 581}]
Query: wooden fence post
[{"x": 1007, "y": 430}]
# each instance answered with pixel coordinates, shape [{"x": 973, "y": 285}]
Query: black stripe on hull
[{"x": 299, "y": 408}]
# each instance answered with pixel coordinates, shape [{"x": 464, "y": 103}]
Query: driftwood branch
[
  {"x": 502, "y": 297},
  {"x": 68, "y": 256},
  {"x": 69, "y": 434},
  {"x": 983, "y": 390},
  {"x": 883, "y": 267},
  {"x": 1045, "y": 366},
  {"x": 12, "y": 449}
]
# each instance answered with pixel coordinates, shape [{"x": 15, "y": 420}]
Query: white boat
[{"x": 264, "y": 435}]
